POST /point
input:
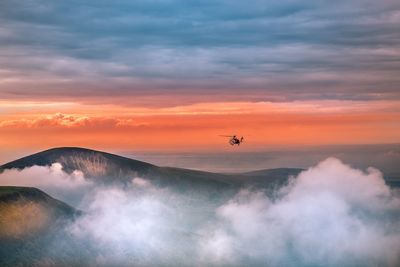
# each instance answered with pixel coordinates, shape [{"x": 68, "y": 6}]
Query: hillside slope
[
  {"x": 26, "y": 211},
  {"x": 108, "y": 168},
  {"x": 31, "y": 228},
  {"x": 105, "y": 167}
]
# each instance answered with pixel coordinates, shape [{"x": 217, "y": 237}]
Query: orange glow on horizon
[{"x": 197, "y": 126}]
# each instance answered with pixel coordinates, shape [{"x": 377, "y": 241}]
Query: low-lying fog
[{"x": 330, "y": 215}]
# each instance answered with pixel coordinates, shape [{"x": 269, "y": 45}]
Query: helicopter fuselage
[{"x": 235, "y": 141}]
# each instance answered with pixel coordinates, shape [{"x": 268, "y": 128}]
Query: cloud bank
[
  {"x": 330, "y": 215},
  {"x": 286, "y": 50},
  {"x": 70, "y": 188}
]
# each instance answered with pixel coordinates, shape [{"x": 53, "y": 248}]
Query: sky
[{"x": 172, "y": 75}]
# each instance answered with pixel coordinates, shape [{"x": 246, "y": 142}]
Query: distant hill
[
  {"x": 267, "y": 177},
  {"x": 94, "y": 164},
  {"x": 29, "y": 221},
  {"x": 109, "y": 168},
  {"x": 105, "y": 167},
  {"x": 26, "y": 211}
]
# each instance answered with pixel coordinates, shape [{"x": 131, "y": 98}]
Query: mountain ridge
[{"x": 107, "y": 167}]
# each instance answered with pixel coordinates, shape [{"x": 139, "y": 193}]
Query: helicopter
[{"x": 234, "y": 140}]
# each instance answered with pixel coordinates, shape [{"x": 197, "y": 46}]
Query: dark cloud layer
[{"x": 284, "y": 50}]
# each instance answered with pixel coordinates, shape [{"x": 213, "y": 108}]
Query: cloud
[
  {"x": 341, "y": 50},
  {"x": 141, "y": 223},
  {"x": 59, "y": 120},
  {"x": 330, "y": 215},
  {"x": 140, "y": 182},
  {"x": 51, "y": 179}
]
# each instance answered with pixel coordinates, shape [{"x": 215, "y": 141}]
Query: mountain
[
  {"x": 29, "y": 221},
  {"x": 26, "y": 211},
  {"x": 267, "y": 177},
  {"x": 104, "y": 167},
  {"x": 94, "y": 164}
]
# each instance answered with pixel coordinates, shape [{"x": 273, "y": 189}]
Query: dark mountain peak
[
  {"x": 49, "y": 156},
  {"x": 109, "y": 168},
  {"x": 93, "y": 164}
]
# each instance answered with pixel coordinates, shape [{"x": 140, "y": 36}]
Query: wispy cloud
[
  {"x": 52, "y": 179},
  {"x": 283, "y": 50},
  {"x": 315, "y": 220}
]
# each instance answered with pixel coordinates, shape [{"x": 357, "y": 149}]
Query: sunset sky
[{"x": 172, "y": 75}]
